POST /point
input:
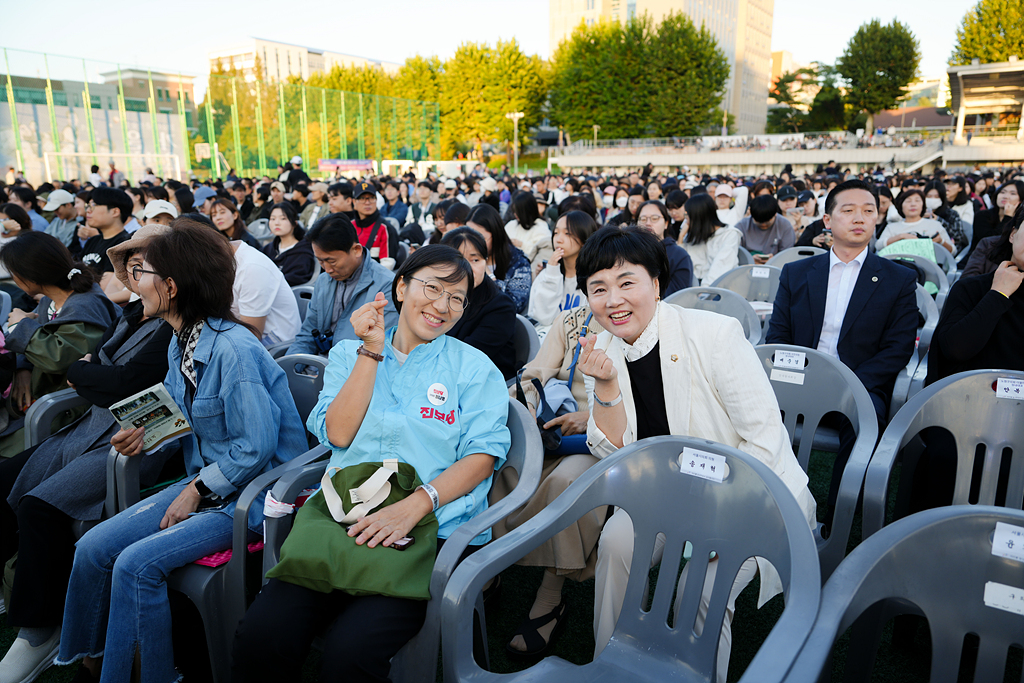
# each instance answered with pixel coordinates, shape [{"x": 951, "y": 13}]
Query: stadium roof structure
[{"x": 996, "y": 88}]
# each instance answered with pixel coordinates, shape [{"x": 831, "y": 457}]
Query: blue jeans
[{"x": 117, "y": 597}]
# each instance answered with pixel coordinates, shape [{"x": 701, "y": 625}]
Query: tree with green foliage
[
  {"x": 463, "y": 110},
  {"x": 879, "y": 62},
  {"x": 690, "y": 72},
  {"x": 991, "y": 31},
  {"x": 515, "y": 81}
]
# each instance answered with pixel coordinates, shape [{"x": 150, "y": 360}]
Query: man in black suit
[{"x": 851, "y": 304}]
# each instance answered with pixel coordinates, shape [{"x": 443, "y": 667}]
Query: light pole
[
  {"x": 596, "y": 128},
  {"x": 515, "y": 116}
]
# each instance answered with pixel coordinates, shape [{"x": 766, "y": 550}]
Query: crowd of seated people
[{"x": 415, "y": 309}]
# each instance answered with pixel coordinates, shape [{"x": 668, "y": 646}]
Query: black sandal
[{"x": 535, "y": 643}]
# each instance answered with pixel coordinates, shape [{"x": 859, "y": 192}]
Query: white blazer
[{"x": 715, "y": 389}]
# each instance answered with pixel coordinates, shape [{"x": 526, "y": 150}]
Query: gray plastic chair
[
  {"x": 967, "y": 406},
  {"x": 417, "y": 661},
  {"x": 793, "y": 254},
  {"x": 527, "y": 341},
  {"x": 745, "y": 257},
  {"x": 303, "y": 295},
  {"x": 278, "y": 351},
  {"x": 932, "y": 271},
  {"x": 723, "y": 302},
  {"x": 754, "y": 514},
  {"x": 911, "y": 378},
  {"x": 316, "y": 273},
  {"x": 6, "y": 306},
  {"x": 935, "y": 563},
  {"x": 742, "y": 281},
  {"x": 828, "y": 386},
  {"x": 947, "y": 262},
  {"x": 305, "y": 388},
  {"x": 45, "y": 410},
  {"x": 260, "y": 229}
]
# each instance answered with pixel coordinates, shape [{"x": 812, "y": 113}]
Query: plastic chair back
[
  {"x": 303, "y": 295},
  {"x": 806, "y": 394},
  {"x": 753, "y": 283},
  {"x": 932, "y": 271},
  {"x": 911, "y": 378},
  {"x": 723, "y": 302},
  {"x": 745, "y": 257},
  {"x": 6, "y": 306},
  {"x": 312, "y": 281},
  {"x": 987, "y": 430},
  {"x": 304, "y": 386},
  {"x": 793, "y": 254},
  {"x": 416, "y": 662},
  {"x": 938, "y": 563},
  {"x": 946, "y": 261},
  {"x": 749, "y": 513},
  {"x": 527, "y": 341}
]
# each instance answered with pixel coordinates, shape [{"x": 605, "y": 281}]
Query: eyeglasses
[
  {"x": 650, "y": 220},
  {"x": 138, "y": 272},
  {"x": 433, "y": 290}
]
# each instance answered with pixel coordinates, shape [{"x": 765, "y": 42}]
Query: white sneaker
[{"x": 23, "y": 663}]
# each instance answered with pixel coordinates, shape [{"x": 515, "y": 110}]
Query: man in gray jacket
[{"x": 350, "y": 278}]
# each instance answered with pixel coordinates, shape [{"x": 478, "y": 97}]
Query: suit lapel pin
[
  {"x": 874, "y": 279},
  {"x": 673, "y": 358}
]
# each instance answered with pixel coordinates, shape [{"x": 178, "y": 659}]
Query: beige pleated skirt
[{"x": 573, "y": 551}]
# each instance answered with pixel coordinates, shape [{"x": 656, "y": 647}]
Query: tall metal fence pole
[
  {"x": 361, "y": 139},
  {"x": 87, "y": 103},
  {"x": 214, "y": 151},
  {"x": 123, "y": 111},
  {"x": 305, "y": 129},
  {"x": 376, "y": 134},
  {"x": 343, "y": 128},
  {"x": 152, "y": 123},
  {"x": 260, "y": 144},
  {"x": 282, "y": 124},
  {"x": 234, "y": 125},
  {"x": 324, "y": 153},
  {"x": 54, "y": 134},
  {"x": 183, "y": 121}
]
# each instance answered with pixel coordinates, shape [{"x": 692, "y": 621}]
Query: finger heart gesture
[{"x": 594, "y": 362}]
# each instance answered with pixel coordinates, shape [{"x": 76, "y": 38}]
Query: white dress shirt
[{"x": 841, "y": 279}]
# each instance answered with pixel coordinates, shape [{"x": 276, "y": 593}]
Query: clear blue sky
[{"x": 178, "y": 36}]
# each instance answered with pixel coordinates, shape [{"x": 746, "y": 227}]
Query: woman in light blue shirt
[
  {"x": 410, "y": 393},
  {"x": 244, "y": 422}
]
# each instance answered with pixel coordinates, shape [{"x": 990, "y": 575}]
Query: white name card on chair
[
  {"x": 1001, "y": 596},
  {"x": 787, "y": 376},
  {"x": 708, "y": 466},
  {"x": 1008, "y": 541},
  {"x": 763, "y": 273},
  {"x": 1008, "y": 387},
  {"x": 790, "y": 359}
]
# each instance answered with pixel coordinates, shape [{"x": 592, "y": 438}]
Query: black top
[
  {"x": 489, "y": 324},
  {"x": 979, "y": 329},
  {"x": 94, "y": 253},
  {"x": 648, "y": 395},
  {"x": 247, "y": 237},
  {"x": 297, "y": 263},
  {"x": 810, "y": 232},
  {"x": 680, "y": 267},
  {"x": 986, "y": 224},
  {"x": 104, "y": 385}
]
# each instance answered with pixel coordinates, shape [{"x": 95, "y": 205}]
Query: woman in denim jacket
[{"x": 244, "y": 423}]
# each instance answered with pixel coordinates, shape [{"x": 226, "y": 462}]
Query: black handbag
[{"x": 551, "y": 438}]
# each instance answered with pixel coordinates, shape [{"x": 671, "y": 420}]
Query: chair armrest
[
  {"x": 832, "y": 550},
  {"x": 280, "y": 349},
  {"x": 42, "y": 413},
  {"x": 287, "y": 488}
]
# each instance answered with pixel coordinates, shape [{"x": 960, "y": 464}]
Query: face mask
[
  {"x": 932, "y": 203},
  {"x": 621, "y": 202}
]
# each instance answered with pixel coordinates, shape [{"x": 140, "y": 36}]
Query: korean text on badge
[
  {"x": 791, "y": 360},
  {"x": 1008, "y": 541},
  {"x": 1001, "y": 596},
  {"x": 1008, "y": 387},
  {"x": 708, "y": 466}
]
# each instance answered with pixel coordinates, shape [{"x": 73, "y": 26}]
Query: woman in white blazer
[{"x": 659, "y": 369}]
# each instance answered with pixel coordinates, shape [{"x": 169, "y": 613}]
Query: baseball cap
[
  {"x": 489, "y": 184},
  {"x": 364, "y": 188},
  {"x": 201, "y": 195},
  {"x": 279, "y": 185},
  {"x": 450, "y": 184},
  {"x": 318, "y": 187},
  {"x": 157, "y": 207},
  {"x": 723, "y": 189},
  {"x": 297, "y": 160},
  {"x": 58, "y": 198},
  {"x": 541, "y": 197},
  {"x": 804, "y": 196},
  {"x": 786, "y": 192}
]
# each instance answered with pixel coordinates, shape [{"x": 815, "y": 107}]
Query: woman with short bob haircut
[
  {"x": 374, "y": 406},
  {"x": 224, "y": 382},
  {"x": 653, "y": 216},
  {"x": 660, "y": 370},
  {"x": 713, "y": 246},
  {"x": 507, "y": 263}
]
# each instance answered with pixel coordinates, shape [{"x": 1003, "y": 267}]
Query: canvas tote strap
[{"x": 366, "y": 497}]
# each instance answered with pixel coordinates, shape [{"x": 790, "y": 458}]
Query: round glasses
[{"x": 433, "y": 290}]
